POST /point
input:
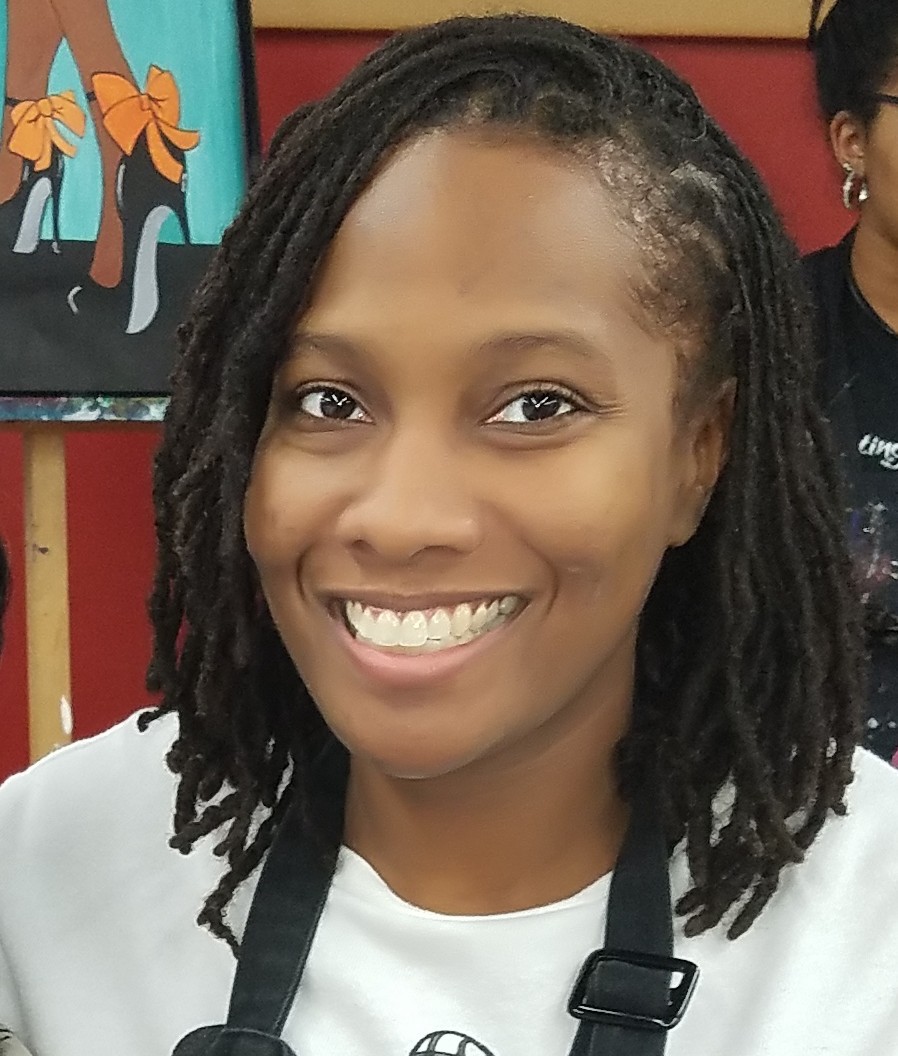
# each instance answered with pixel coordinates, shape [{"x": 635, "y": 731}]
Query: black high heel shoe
[
  {"x": 145, "y": 200},
  {"x": 21, "y": 217},
  {"x": 150, "y": 185},
  {"x": 42, "y": 170}
]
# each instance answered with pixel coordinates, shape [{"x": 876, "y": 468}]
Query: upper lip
[{"x": 381, "y": 599}]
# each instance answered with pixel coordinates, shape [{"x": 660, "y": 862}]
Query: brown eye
[
  {"x": 331, "y": 404},
  {"x": 536, "y": 406}
]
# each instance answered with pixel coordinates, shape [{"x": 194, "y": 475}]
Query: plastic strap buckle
[{"x": 610, "y": 974}]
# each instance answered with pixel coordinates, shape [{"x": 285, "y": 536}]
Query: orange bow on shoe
[
  {"x": 127, "y": 113},
  {"x": 34, "y": 131}
]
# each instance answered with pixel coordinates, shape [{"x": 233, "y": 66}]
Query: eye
[
  {"x": 538, "y": 405},
  {"x": 330, "y": 404}
]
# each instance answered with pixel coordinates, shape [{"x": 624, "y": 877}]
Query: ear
[
  {"x": 848, "y": 139},
  {"x": 705, "y": 440}
]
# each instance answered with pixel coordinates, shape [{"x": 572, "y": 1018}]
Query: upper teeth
[{"x": 431, "y": 629}]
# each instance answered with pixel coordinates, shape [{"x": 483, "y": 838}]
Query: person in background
[{"x": 856, "y": 287}]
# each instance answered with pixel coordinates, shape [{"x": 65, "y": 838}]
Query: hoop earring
[{"x": 849, "y": 199}]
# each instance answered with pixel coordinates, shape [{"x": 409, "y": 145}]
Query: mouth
[{"x": 409, "y": 632}]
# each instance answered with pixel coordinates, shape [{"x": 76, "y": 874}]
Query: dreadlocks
[
  {"x": 748, "y": 664},
  {"x": 856, "y": 51}
]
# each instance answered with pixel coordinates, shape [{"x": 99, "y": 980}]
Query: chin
[{"x": 412, "y": 760}]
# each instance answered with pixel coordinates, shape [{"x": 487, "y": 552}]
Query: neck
[
  {"x": 874, "y": 264},
  {"x": 493, "y": 837}
]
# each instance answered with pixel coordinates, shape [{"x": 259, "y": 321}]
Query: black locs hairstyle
[
  {"x": 855, "y": 51},
  {"x": 748, "y": 651}
]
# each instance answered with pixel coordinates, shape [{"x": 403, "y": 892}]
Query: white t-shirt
[{"x": 100, "y": 954}]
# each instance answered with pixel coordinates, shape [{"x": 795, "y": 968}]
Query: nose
[{"x": 417, "y": 497}]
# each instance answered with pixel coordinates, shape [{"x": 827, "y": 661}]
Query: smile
[{"x": 428, "y": 630}]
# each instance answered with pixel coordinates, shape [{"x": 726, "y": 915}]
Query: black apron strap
[
  {"x": 283, "y": 918},
  {"x": 627, "y": 996},
  {"x": 632, "y": 991}
]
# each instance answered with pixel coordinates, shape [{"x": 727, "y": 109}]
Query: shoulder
[
  {"x": 92, "y": 766},
  {"x": 820, "y": 256},
  {"x": 873, "y": 778},
  {"x": 94, "y": 901},
  {"x": 847, "y": 885},
  {"x": 86, "y": 792},
  {"x": 867, "y": 837},
  {"x": 828, "y": 265},
  {"x": 848, "y": 879},
  {"x": 815, "y": 973},
  {"x": 85, "y": 851}
]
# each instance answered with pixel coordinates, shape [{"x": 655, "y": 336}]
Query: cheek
[
  {"x": 599, "y": 516},
  {"x": 882, "y": 177},
  {"x": 287, "y": 496}
]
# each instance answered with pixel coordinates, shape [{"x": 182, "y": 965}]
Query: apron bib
[{"x": 627, "y": 997}]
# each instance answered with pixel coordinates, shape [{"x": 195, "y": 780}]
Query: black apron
[{"x": 628, "y": 995}]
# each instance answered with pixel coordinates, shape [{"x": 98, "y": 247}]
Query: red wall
[{"x": 760, "y": 91}]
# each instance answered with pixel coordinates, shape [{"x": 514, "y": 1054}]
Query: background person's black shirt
[{"x": 860, "y": 378}]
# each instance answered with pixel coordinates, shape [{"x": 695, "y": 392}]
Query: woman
[
  {"x": 476, "y": 584},
  {"x": 856, "y": 287}
]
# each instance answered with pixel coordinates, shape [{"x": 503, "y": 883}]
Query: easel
[
  {"x": 46, "y": 589},
  {"x": 44, "y": 423}
]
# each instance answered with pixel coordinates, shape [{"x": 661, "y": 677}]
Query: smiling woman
[
  {"x": 527, "y": 449},
  {"x": 501, "y": 597}
]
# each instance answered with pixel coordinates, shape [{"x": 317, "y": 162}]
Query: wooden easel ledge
[{"x": 47, "y": 588}]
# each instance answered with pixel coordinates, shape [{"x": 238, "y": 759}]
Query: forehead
[{"x": 482, "y": 221}]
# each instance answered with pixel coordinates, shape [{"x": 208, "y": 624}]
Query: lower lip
[{"x": 415, "y": 670}]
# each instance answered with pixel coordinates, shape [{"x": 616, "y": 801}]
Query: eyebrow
[
  {"x": 528, "y": 341},
  {"x": 311, "y": 341},
  {"x": 503, "y": 341}
]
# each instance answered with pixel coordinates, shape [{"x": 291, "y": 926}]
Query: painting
[{"x": 128, "y": 130}]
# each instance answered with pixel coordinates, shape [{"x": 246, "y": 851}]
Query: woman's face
[
  {"x": 471, "y": 466},
  {"x": 872, "y": 152},
  {"x": 881, "y": 167}
]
